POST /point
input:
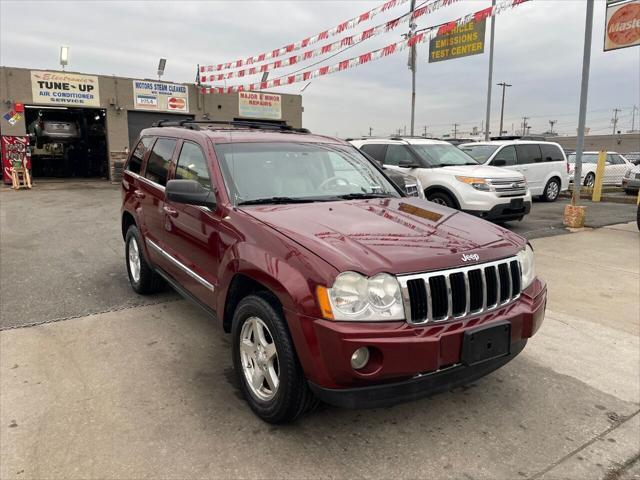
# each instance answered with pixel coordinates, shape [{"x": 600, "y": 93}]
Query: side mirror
[
  {"x": 408, "y": 163},
  {"x": 189, "y": 192},
  {"x": 498, "y": 162}
]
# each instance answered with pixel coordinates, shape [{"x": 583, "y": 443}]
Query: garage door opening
[
  {"x": 138, "y": 121},
  {"x": 67, "y": 142}
]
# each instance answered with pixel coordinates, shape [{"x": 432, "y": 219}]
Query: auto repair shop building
[{"x": 82, "y": 125}]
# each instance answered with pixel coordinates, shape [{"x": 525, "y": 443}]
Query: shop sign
[
  {"x": 60, "y": 88},
  {"x": 622, "y": 27},
  {"x": 462, "y": 41},
  {"x": 260, "y": 105},
  {"x": 160, "y": 97}
]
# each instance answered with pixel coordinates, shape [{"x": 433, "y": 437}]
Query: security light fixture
[
  {"x": 64, "y": 57},
  {"x": 161, "y": 65}
]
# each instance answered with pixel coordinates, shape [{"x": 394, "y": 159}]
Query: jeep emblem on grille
[{"x": 471, "y": 256}]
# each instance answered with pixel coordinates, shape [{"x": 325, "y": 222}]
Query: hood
[
  {"x": 394, "y": 235},
  {"x": 482, "y": 171}
]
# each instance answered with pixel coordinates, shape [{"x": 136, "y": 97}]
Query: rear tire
[
  {"x": 589, "y": 180},
  {"x": 142, "y": 278},
  {"x": 441, "y": 198},
  {"x": 291, "y": 397},
  {"x": 551, "y": 190}
]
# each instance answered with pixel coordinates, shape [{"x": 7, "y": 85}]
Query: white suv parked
[
  {"x": 543, "y": 164},
  {"x": 451, "y": 177}
]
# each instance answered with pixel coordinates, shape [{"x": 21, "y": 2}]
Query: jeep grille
[{"x": 450, "y": 294}]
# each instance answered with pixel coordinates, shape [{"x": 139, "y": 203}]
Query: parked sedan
[
  {"x": 631, "y": 180},
  {"x": 615, "y": 168}
]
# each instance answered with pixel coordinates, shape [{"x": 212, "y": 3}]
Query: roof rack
[{"x": 279, "y": 125}]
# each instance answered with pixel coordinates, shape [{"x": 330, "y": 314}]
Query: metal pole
[
  {"x": 584, "y": 90},
  {"x": 504, "y": 86},
  {"x": 493, "y": 31},
  {"x": 615, "y": 119},
  {"x": 412, "y": 66}
]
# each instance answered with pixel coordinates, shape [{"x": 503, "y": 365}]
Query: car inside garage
[{"x": 67, "y": 142}]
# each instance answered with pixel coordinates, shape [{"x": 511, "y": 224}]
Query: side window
[
  {"x": 398, "y": 154},
  {"x": 614, "y": 159},
  {"x": 192, "y": 165},
  {"x": 135, "y": 161},
  {"x": 551, "y": 153},
  {"x": 376, "y": 150},
  {"x": 528, "y": 154},
  {"x": 507, "y": 154},
  {"x": 159, "y": 159}
]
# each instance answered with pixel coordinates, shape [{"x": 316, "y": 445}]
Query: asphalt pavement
[{"x": 142, "y": 387}]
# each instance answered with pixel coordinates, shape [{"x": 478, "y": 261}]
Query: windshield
[
  {"x": 298, "y": 172},
  {"x": 480, "y": 153},
  {"x": 586, "y": 158},
  {"x": 443, "y": 155}
]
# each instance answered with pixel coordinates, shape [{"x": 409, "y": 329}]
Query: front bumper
[
  {"x": 504, "y": 212},
  {"x": 407, "y": 361}
]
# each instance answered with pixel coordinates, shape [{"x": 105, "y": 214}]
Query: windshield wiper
[
  {"x": 277, "y": 200},
  {"x": 354, "y": 196}
]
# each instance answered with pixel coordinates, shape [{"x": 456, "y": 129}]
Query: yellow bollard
[{"x": 597, "y": 185}]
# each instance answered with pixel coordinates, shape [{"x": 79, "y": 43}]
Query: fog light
[{"x": 359, "y": 358}]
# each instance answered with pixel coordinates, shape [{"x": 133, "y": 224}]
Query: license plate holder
[
  {"x": 486, "y": 343},
  {"x": 516, "y": 203}
]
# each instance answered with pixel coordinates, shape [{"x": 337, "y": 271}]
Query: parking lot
[{"x": 134, "y": 387}]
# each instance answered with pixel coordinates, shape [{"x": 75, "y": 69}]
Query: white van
[{"x": 543, "y": 164}]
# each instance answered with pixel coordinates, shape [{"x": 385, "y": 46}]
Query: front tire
[
  {"x": 551, "y": 190},
  {"x": 441, "y": 198},
  {"x": 266, "y": 364},
  {"x": 142, "y": 278}
]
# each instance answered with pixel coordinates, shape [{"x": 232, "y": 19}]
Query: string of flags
[
  {"x": 330, "y": 47},
  {"x": 423, "y": 36},
  {"x": 340, "y": 28}
]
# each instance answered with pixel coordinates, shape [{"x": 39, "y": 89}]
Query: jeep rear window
[{"x": 300, "y": 171}]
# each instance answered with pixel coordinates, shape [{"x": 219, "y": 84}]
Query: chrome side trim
[
  {"x": 181, "y": 266},
  {"x": 403, "y": 279}
]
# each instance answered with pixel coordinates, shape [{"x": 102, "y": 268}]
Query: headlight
[
  {"x": 477, "y": 183},
  {"x": 354, "y": 297},
  {"x": 527, "y": 270}
]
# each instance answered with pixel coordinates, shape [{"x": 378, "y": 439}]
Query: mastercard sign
[{"x": 623, "y": 25}]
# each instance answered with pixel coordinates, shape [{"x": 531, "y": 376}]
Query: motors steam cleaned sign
[
  {"x": 60, "y": 88},
  {"x": 462, "y": 41},
  {"x": 260, "y": 105},
  {"x": 161, "y": 97}
]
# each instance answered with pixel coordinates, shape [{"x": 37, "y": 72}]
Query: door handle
[
  {"x": 170, "y": 211},
  {"x": 138, "y": 194}
]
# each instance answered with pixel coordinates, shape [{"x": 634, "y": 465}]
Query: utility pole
[
  {"x": 552, "y": 123},
  {"x": 524, "y": 125},
  {"x": 584, "y": 91},
  {"x": 370, "y": 131},
  {"x": 455, "y": 130},
  {"x": 493, "y": 34},
  {"x": 615, "y": 119},
  {"x": 412, "y": 67},
  {"x": 425, "y": 131},
  {"x": 405, "y": 130},
  {"x": 504, "y": 85},
  {"x": 633, "y": 118}
]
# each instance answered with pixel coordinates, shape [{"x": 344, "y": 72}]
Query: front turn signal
[{"x": 323, "y": 300}]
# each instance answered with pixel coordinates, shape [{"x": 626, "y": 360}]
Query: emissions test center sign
[
  {"x": 160, "y": 97},
  {"x": 60, "y": 88},
  {"x": 462, "y": 41},
  {"x": 260, "y": 105},
  {"x": 622, "y": 28}
]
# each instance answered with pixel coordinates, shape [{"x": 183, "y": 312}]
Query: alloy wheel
[
  {"x": 259, "y": 359},
  {"x": 552, "y": 191},
  {"x": 134, "y": 260}
]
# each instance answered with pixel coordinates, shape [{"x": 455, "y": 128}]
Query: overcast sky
[{"x": 538, "y": 50}]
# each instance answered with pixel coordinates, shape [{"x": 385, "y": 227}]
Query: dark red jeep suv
[{"x": 333, "y": 285}]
